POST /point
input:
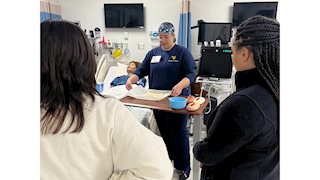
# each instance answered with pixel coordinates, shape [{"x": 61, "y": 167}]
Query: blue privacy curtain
[
  {"x": 50, "y": 9},
  {"x": 184, "y": 36}
]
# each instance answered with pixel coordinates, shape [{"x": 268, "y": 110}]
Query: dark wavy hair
[
  {"x": 68, "y": 69},
  {"x": 261, "y": 35}
]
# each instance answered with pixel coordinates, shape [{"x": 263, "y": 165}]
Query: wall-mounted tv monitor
[
  {"x": 245, "y": 10},
  {"x": 212, "y": 31},
  {"x": 124, "y": 15}
]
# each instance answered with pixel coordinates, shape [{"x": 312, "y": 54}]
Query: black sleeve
[{"x": 237, "y": 122}]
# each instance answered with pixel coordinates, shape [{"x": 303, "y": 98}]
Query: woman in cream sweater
[{"x": 85, "y": 135}]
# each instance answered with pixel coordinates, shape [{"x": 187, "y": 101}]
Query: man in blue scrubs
[{"x": 170, "y": 67}]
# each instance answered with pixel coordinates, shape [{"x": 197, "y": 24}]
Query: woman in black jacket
[{"x": 242, "y": 140}]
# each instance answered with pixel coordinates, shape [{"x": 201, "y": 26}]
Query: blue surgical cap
[{"x": 166, "y": 27}]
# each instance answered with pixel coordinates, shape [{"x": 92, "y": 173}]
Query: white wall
[{"x": 90, "y": 13}]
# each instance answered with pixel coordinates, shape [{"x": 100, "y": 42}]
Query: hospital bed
[{"x": 144, "y": 115}]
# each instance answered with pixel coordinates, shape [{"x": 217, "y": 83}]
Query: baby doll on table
[{"x": 121, "y": 80}]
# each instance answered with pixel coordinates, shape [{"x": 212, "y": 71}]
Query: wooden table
[{"x": 164, "y": 105}]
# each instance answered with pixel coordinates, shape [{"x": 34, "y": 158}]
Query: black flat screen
[
  {"x": 243, "y": 11},
  {"x": 215, "y": 62},
  {"x": 124, "y": 15}
]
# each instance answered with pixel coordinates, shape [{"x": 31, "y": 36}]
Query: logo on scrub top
[{"x": 173, "y": 59}]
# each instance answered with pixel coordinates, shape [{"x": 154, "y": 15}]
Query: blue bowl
[{"x": 177, "y": 102}]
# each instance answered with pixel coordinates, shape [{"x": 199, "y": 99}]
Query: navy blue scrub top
[{"x": 167, "y": 68}]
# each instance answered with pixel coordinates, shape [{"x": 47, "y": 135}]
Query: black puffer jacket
[{"x": 242, "y": 140}]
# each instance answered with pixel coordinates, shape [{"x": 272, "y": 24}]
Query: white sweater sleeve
[{"x": 137, "y": 152}]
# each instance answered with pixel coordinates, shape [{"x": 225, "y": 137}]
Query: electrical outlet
[
  {"x": 141, "y": 46},
  {"x": 109, "y": 43},
  {"x": 126, "y": 35}
]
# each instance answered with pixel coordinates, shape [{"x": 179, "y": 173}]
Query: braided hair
[{"x": 261, "y": 36}]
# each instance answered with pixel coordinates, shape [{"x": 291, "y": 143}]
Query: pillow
[{"x": 122, "y": 69}]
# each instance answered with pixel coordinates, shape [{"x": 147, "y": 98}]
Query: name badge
[{"x": 155, "y": 59}]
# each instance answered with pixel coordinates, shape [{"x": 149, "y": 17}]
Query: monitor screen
[
  {"x": 215, "y": 62},
  {"x": 243, "y": 11},
  {"x": 214, "y": 31},
  {"x": 124, "y": 15}
]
